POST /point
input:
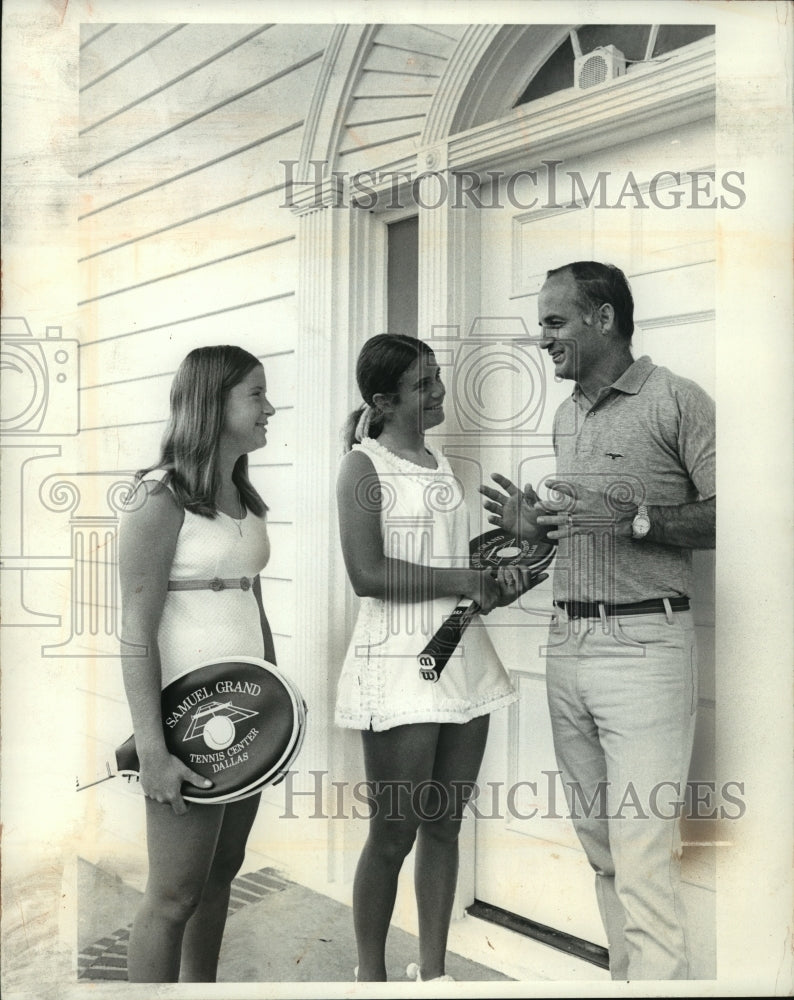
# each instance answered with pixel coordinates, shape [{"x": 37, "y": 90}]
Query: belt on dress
[
  {"x": 217, "y": 583},
  {"x": 592, "y": 609}
]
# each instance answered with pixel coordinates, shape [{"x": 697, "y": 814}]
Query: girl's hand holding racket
[
  {"x": 162, "y": 776},
  {"x": 485, "y": 592},
  {"x": 514, "y": 581},
  {"x": 494, "y": 551}
]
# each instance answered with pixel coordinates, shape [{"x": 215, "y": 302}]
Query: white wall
[{"x": 186, "y": 240}]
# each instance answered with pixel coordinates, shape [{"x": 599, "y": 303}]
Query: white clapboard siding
[
  {"x": 179, "y": 55},
  {"x": 393, "y": 59},
  {"x": 242, "y": 161},
  {"x": 171, "y": 117},
  {"x": 364, "y": 137},
  {"x": 252, "y": 277},
  {"x": 368, "y": 110},
  {"x": 278, "y": 597},
  {"x": 386, "y": 114},
  {"x": 186, "y": 241},
  {"x": 375, "y": 83},
  {"x": 251, "y": 180},
  {"x": 264, "y": 328},
  {"x": 282, "y": 537},
  {"x": 276, "y": 482},
  {"x": 196, "y": 243},
  {"x": 431, "y": 39},
  {"x": 111, "y": 52}
]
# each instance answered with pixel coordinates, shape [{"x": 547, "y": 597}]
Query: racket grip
[{"x": 435, "y": 656}]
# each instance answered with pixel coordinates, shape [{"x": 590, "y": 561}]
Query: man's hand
[
  {"x": 580, "y": 510},
  {"x": 513, "y": 510}
]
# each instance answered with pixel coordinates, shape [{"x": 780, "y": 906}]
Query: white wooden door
[{"x": 528, "y": 859}]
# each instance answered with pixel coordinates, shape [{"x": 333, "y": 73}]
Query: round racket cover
[
  {"x": 497, "y": 548},
  {"x": 237, "y": 721}
]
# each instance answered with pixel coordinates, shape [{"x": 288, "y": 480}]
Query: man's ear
[{"x": 606, "y": 317}]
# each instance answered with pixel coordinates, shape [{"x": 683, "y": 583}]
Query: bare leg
[
  {"x": 396, "y": 761},
  {"x": 458, "y": 757},
  {"x": 181, "y": 849},
  {"x": 201, "y": 944}
]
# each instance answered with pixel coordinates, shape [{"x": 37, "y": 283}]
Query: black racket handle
[{"x": 435, "y": 656}]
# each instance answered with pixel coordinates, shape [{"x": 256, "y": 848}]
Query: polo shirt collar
[{"x": 632, "y": 379}]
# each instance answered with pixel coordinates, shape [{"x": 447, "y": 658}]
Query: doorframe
[{"x": 342, "y": 284}]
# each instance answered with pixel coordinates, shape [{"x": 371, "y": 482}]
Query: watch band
[{"x": 641, "y": 524}]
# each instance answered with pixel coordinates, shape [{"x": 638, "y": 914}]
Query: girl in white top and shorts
[
  {"x": 193, "y": 516},
  {"x": 405, "y": 539}
]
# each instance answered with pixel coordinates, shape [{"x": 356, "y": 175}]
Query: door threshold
[{"x": 567, "y": 943}]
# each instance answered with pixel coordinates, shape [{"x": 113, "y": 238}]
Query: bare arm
[
  {"x": 688, "y": 525},
  {"x": 371, "y": 572},
  {"x": 147, "y": 541}
]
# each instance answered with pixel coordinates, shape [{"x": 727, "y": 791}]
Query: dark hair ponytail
[{"x": 381, "y": 364}]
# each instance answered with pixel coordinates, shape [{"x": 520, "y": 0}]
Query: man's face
[{"x": 569, "y": 331}]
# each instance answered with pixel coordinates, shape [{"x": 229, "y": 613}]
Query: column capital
[{"x": 312, "y": 197}]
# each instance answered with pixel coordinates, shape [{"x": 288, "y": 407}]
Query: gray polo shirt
[{"x": 648, "y": 438}]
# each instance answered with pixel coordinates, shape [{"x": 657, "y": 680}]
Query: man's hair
[{"x": 599, "y": 283}]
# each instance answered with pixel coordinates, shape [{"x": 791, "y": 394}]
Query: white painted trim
[
  {"x": 471, "y": 48},
  {"x": 341, "y": 66},
  {"x": 662, "y": 96}
]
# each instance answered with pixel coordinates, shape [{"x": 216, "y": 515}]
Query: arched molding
[
  {"x": 339, "y": 71},
  {"x": 489, "y": 70},
  {"x": 456, "y": 79}
]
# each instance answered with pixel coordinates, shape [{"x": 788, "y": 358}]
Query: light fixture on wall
[{"x": 599, "y": 66}]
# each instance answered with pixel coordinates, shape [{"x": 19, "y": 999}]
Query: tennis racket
[
  {"x": 491, "y": 550},
  {"x": 237, "y": 721}
]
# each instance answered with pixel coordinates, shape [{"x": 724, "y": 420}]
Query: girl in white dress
[
  {"x": 405, "y": 539},
  {"x": 194, "y": 516}
]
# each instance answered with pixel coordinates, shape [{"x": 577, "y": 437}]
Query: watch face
[{"x": 640, "y": 526}]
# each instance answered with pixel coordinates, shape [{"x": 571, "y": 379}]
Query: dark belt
[
  {"x": 592, "y": 609},
  {"x": 235, "y": 583}
]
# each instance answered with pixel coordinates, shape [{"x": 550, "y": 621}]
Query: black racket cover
[{"x": 238, "y": 721}]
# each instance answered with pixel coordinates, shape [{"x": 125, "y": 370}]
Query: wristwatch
[{"x": 641, "y": 524}]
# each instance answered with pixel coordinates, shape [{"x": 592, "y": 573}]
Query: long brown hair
[{"x": 189, "y": 448}]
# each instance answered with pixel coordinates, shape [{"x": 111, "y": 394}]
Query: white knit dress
[
  {"x": 424, "y": 521},
  {"x": 198, "y": 626}
]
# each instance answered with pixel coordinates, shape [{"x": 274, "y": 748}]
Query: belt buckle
[
  {"x": 217, "y": 584},
  {"x": 245, "y": 583}
]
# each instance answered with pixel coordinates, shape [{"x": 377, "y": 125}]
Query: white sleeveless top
[
  {"x": 424, "y": 520},
  {"x": 201, "y": 625}
]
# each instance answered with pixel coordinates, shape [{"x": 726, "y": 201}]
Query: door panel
[{"x": 530, "y": 862}]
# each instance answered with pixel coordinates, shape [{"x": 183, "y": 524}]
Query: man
[{"x": 636, "y": 473}]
